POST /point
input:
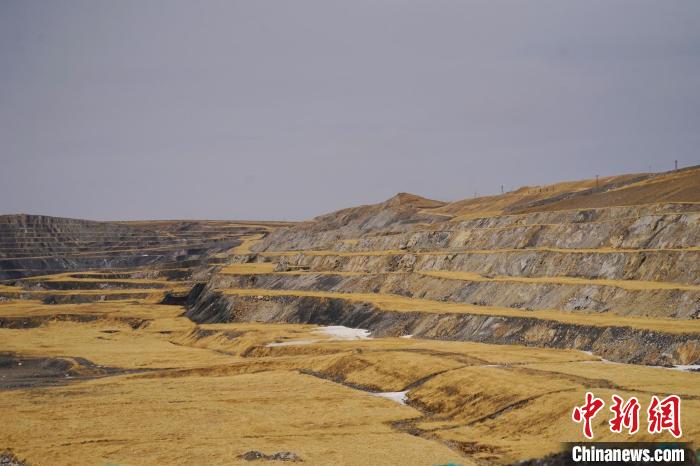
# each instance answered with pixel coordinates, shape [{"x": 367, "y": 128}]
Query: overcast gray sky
[{"x": 289, "y": 109}]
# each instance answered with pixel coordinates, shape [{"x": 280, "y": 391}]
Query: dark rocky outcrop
[{"x": 620, "y": 344}]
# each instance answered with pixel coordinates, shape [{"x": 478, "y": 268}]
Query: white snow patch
[
  {"x": 406, "y": 336},
  {"x": 603, "y": 360},
  {"x": 398, "y": 397},
  {"x": 687, "y": 367},
  {"x": 339, "y": 332},
  {"x": 336, "y": 332},
  {"x": 290, "y": 343}
]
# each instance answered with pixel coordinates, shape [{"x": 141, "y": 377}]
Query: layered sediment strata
[
  {"x": 509, "y": 308},
  {"x": 621, "y": 280},
  {"x": 33, "y": 245}
]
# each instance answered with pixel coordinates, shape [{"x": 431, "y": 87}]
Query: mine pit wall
[
  {"x": 670, "y": 266},
  {"x": 84, "y": 299},
  {"x": 27, "y": 267},
  {"x": 656, "y": 243},
  {"x": 680, "y": 304},
  {"x": 653, "y": 231},
  {"x": 619, "y": 344},
  {"x": 592, "y": 215},
  {"x": 41, "y": 285},
  {"x": 32, "y": 245},
  {"x": 664, "y": 226}
]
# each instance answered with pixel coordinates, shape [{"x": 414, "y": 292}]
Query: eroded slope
[
  {"x": 622, "y": 281},
  {"x": 488, "y": 320}
]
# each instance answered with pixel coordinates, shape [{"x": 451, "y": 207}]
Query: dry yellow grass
[
  {"x": 680, "y": 186},
  {"x": 395, "y": 252},
  {"x": 240, "y": 338},
  {"x": 624, "y": 284},
  {"x": 126, "y": 348},
  {"x": 260, "y": 268},
  {"x": 150, "y": 289},
  {"x": 109, "y": 340},
  {"x": 629, "y": 377},
  {"x": 100, "y": 253},
  {"x": 140, "y": 310},
  {"x": 495, "y": 205},
  {"x": 544, "y": 421},
  {"x": 248, "y": 269},
  {"x": 212, "y": 392},
  {"x": 76, "y": 277},
  {"x": 672, "y": 187},
  {"x": 248, "y": 242},
  {"x": 9, "y": 289},
  {"x": 149, "y": 295},
  {"x": 384, "y": 370},
  {"x": 204, "y": 394},
  {"x": 402, "y": 304},
  {"x": 211, "y": 420}
]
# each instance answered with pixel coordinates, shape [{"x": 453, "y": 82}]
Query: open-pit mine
[{"x": 412, "y": 332}]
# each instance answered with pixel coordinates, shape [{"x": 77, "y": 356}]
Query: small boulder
[
  {"x": 286, "y": 456},
  {"x": 254, "y": 455}
]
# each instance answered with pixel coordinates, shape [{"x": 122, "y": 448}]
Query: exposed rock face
[
  {"x": 605, "y": 255},
  {"x": 397, "y": 214},
  {"x": 517, "y": 295},
  {"x": 620, "y": 344},
  {"x": 606, "y": 274}
]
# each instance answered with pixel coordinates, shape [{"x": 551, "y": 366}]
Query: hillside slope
[
  {"x": 570, "y": 265},
  {"x": 410, "y": 331}
]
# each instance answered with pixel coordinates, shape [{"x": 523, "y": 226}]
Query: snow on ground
[
  {"x": 688, "y": 368},
  {"x": 291, "y": 343},
  {"x": 406, "y": 336},
  {"x": 606, "y": 361},
  {"x": 681, "y": 367},
  {"x": 338, "y": 332},
  {"x": 398, "y": 397}
]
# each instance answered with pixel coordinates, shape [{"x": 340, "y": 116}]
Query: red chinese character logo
[
  {"x": 626, "y": 415},
  {"x": 587, "y": 412},
  {"x": 665, "y": 415}
]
